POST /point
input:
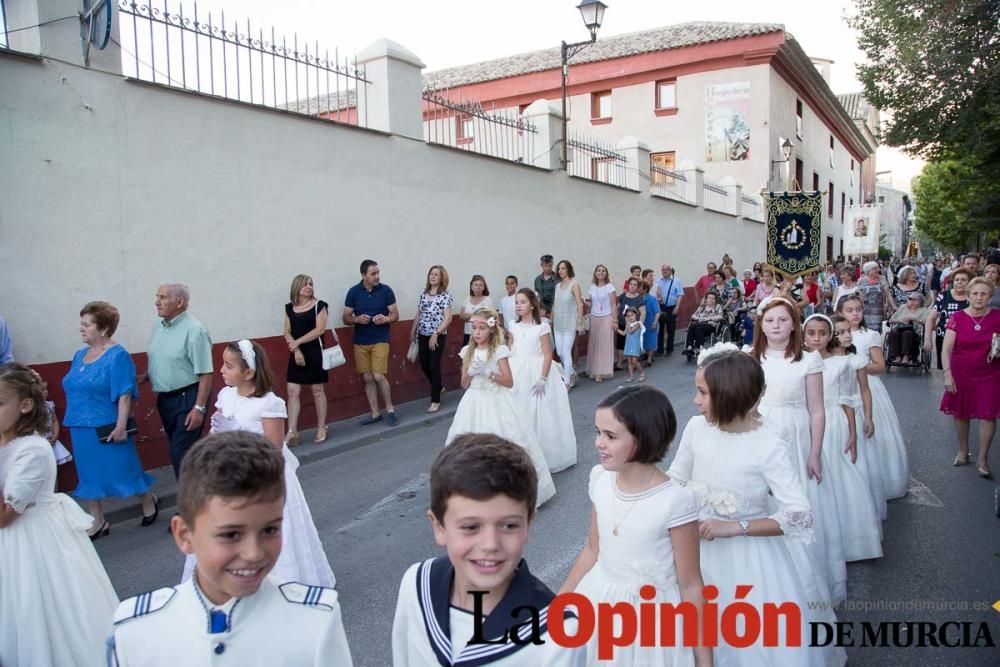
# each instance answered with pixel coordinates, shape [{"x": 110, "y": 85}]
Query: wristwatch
[
  {"x": 745, "y": 525},
  {"x": 200, "y": 408}
]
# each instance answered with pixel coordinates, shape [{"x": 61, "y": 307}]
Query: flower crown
[{"x": 718, "y": 348}]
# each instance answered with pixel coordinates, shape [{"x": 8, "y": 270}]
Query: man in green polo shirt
[{"x": 180, "y": 369}]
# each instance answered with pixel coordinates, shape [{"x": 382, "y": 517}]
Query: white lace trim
[{"x": 796, "y": 523}]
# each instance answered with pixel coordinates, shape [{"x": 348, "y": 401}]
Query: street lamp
[
  {"x": 592, "y": 12},
  {"x": 786, "y": 150}
]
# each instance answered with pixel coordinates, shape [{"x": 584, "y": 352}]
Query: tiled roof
[
  {"x": 605, "y": 48},
  {"x": 325, "y": 103},
  {"x": 855, "y": 105}
]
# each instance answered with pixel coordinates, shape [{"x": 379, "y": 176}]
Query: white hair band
[
  {"x": 248, "y": 354},
  {"x": 818, "y": 316}
]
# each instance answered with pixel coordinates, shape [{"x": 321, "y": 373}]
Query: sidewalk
[{"x": 343, "y": 436}]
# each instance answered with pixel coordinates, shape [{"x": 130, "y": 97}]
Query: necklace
[
  {"x": 977, "y": 323},
  {"x": 649, "y": 479}
]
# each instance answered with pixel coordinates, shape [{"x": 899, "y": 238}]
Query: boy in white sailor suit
[
  {"x": 230, "y": 497},
  {"x": 460, "y": 609}
]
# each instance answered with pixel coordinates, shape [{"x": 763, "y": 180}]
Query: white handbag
[
  {"x": 332, "y": 356},
  {"x": 413, "y": 352}
]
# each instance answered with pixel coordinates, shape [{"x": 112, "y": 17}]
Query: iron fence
[
  {"x": 667, "y": 183},
  {"x": 596, "y": 161},
  {"x": 468, "y": 126},
  {"x": 753, "y": 207},
  {"x": 239, "y": 61},
  {"x": 716, "y": 198}
]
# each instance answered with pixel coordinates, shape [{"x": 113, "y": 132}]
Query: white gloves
[
  {"x": 538, "y": 389},
  {"x": 477, "y": 367},
  {"x": 221, "y": 423}
]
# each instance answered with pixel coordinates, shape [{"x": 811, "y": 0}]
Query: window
[
  {"x": 829, "y": 201},
  {"x": 600, "y": 105},
  {"x": 465, "y": 129},
  {"x": 666, "y": 94},
  {"x": 667, "y": 161},
  {"x": 852, "y": 173},
  {"x": 842, "y": 207},
  {"x": 798, "y": 172},
  {"x": 798, "y": 118},
  {"x": 831, "y": 151},
  {"x": 829, "y": 248},
  {"x": 815, "y": 182},
  {"x": 600, "y": 169}
]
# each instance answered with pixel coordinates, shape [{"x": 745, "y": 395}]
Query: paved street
[{"x": 942, "y": 543}]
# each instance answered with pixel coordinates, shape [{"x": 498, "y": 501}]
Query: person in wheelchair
[
  {"x": 704, "y": 323},
  {"x": 906, "y": 326}
]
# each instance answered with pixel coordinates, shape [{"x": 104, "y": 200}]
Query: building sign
[
  {"x": 727, "y": 122},
  {"x": 861, "y": 230}
]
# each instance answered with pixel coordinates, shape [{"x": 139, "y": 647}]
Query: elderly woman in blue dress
[{"x": 100, "y": 389}]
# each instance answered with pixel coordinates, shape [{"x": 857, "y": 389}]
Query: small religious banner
[
  {"x": 794, "y": 231},
  {"x": 861, "y": 230}
]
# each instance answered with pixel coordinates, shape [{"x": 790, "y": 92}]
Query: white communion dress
[
  {"x": 746, "y": 476},
  {"x": 56, "y": 601},
  {"x": 549, "y": 414},
  {"x": 635, "y": 550},
  {"x": 859, "y": 521},
  {"x": 302, "y": 556},
  {"x": 867, "y": 447},
  {"x": 487, "y": 407},
  {"x": 784, "y": 406},
  {"x": 891, "y": 447}
]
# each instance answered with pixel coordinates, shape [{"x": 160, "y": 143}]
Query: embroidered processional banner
[{"x": 794, "y": 231}]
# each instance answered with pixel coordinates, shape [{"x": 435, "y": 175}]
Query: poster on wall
[
  {"x": 727, "y": 122},
  {"x": 861, "y": 230}
]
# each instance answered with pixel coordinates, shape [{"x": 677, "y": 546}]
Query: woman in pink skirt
[
  {"x": 603, "y": 304},
  {"x": 972, "y": 372}
]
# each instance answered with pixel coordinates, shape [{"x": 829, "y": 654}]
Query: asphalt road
[{"x": 942, "y": 542}]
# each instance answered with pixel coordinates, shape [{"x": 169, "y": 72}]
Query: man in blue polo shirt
[
  {"x": 371, "y": 307},
  {"x": 669, "y": 292}
]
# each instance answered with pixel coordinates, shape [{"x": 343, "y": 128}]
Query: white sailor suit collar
[{"x": 434, "y": 579}]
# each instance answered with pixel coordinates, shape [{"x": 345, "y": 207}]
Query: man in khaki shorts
[{"x": 371, "y": 307}]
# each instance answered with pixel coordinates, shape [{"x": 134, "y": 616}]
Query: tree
[
  {"x": 934, "y": 65},
  {"x": 946, "y": 193}
]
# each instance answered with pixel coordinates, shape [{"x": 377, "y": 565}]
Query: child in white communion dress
[
  {"x": 755, "y": 518},
  {"x": 539, "y": 391},
  {"x": 248, "y": 404}
]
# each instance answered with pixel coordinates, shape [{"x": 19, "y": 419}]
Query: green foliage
[
  {"x": 934, "y": 68},
  {"x": 947, "y": 194},
  {"x": 934, "y": 64}
]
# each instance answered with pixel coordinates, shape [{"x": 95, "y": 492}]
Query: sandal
[
  {"x": 320, "y": 435},
  {"x": 642, "y": 377},
  {"x": 434, "y": 407},
  {"x": 959, "y": 461},
  {"x": 292, "y": 439},
  {"x": 983, "y": 471}
]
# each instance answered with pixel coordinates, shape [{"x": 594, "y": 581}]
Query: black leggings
[
  {"x": 698, "y": 332},
  {"x": 430, "y": 363}
]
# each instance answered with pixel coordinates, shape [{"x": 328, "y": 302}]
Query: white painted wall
[
  {"x": 813, "y": 148},
  {"x": 684, "y": 132},
  {"x": 109, "y": 187}
]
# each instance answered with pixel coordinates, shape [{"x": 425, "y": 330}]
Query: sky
[{"x": 445, "y": 33}]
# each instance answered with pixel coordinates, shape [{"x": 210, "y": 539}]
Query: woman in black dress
[{"x": 305, "y": 323}]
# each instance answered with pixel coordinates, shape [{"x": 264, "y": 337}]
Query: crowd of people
[{"x": 781, "y": 481}]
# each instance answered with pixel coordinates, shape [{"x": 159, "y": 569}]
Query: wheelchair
[
  {"x": 900, "y": 331},
  {"x": 721, "y": 333}
]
